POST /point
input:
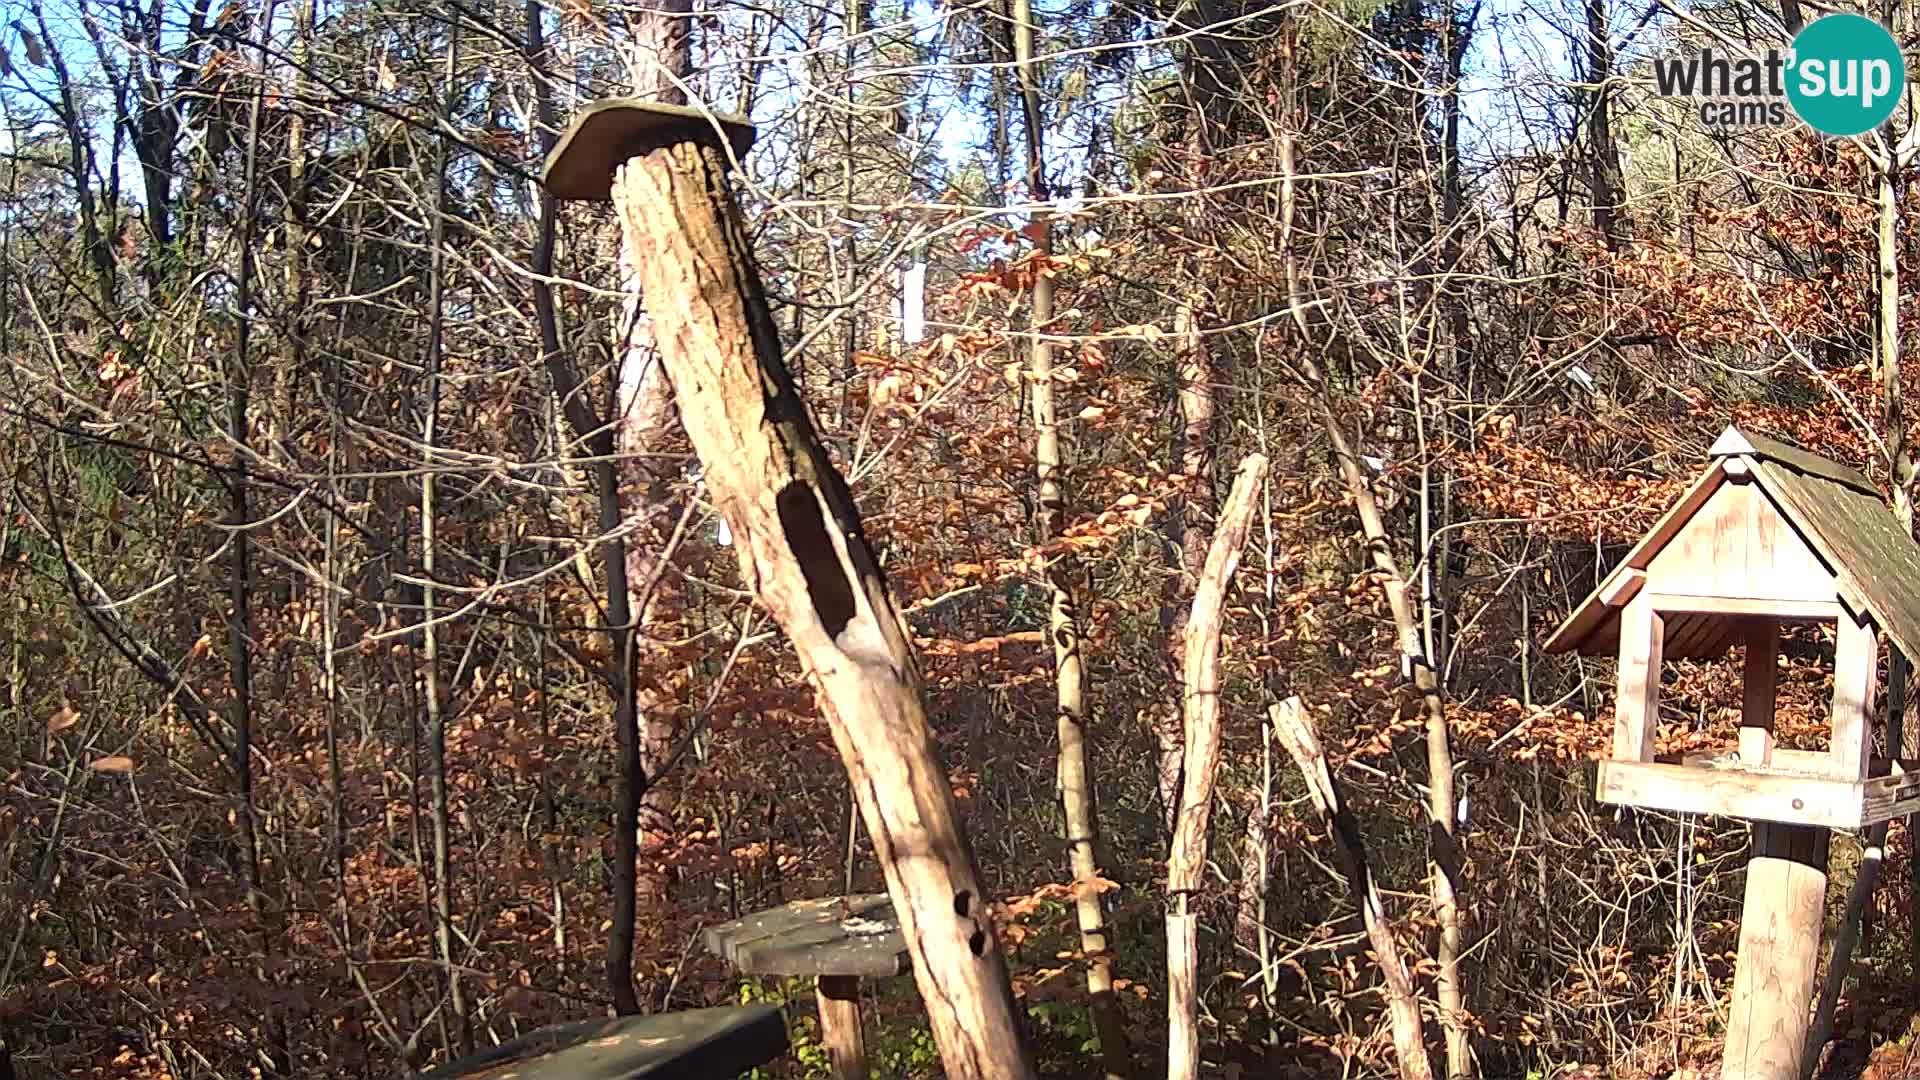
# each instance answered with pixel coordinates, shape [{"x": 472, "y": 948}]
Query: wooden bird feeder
[
  {"x": 1769, "y": 535},
  {"x": 837, "y": 940}
]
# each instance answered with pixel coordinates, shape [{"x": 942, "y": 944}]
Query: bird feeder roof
[
  {"x": 1833, "y": 510},
  {"x": 606, "y": 133}
]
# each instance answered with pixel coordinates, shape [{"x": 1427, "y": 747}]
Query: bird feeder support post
[
  {"x": 840, "y": 1031},
  {"x": 1780, "y": 922},
  {"x": 1636, "y": 707},
  {"x": 1785, "y": 905}
]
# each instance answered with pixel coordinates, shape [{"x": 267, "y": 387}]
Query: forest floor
[
  {"x": 1880, "y": 1045},
  {"x": 1851, "y": 1059}
]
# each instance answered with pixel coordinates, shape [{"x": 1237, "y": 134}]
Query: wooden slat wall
[{"x": 1739, "y": 545}]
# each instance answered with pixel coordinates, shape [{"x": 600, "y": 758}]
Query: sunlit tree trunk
[
  {"x": 1200, "y": 711},
  {"x": 434, "y": 694},
  {"x": 1073, "y": 778},
  {"x": 1189, "y": 520},
  {"x": 661, "y": 62}
]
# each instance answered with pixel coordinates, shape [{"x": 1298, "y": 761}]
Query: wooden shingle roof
[{"x": 1835, "y": 510}]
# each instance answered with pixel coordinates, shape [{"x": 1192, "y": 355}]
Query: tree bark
[
  {"x": 661, "y": 62},
  {"x": 1290, "y": 726},
  {"x": 1443, "y": 870},
  {"x": 1603, "y": 159},
  {"x": 1186, "y": 530},
  {"x": 1187, "y": 861},
  {"x": 1073, "y": 781},
  {"x": 803, "y": 553},
  {"x": 618, "y": 673}
]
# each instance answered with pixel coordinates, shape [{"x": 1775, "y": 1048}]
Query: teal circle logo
[{"x": 1847, "y": 74}]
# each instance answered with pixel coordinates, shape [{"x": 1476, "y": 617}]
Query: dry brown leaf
[
  {"x": 62, "y": 720},
  {"x": 118, "y": 763}
]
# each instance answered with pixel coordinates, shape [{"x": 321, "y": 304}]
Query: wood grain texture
[
  {"x": 1856, "y": 671},
  {"x": 835, "y": 935},
  {"x": 1739, "y": 545},
  {"x": 805, "y": 556},
  {"x": 840, "y": 1032},
  {"x": 1779, "y": 950},
  {"x": 1761, "y": 679},
  {"x": 1636, "y": 705}
]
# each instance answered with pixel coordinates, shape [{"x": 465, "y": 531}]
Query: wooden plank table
[
  {"x": 837, "y": 940},
  {"x": 695, "y": 1044}
]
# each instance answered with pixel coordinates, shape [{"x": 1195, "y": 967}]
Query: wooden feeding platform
[
  {"x": 696, "y": 1044},
  {"x": 837, "y": 940},
  {"x": 1768, "y": 536}
]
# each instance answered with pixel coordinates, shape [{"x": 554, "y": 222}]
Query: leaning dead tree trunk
[
  {"x": 802, "y": 551},
  {"x": 1291, "y": 728},
  {"x": 1201, "y": 708},
  {"x": 1443, "y": 870}
]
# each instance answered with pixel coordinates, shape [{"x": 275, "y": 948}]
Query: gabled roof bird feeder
[{"x": 1768, "y": 536}]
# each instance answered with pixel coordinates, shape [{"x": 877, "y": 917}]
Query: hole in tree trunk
[{"x": 807, "y": 536}]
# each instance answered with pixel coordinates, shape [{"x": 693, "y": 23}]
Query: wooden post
[
  {"x": 1291, "y": 727},
  {"x": 839, "y": 998},
  {"x": 1636, "y": 708},
  {"x": 1779, "y": 949},
  {"x": 1756, "y": 703},
  {"x": 1200, "y": 765},
  {"x": 803, "y": 553},
  {"x": 1856, "y": 670}
]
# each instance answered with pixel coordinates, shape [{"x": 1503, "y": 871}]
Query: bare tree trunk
[
  {"x": 606, "y": 481},
  {"x": 1603, "y": 159},
  {"x": 802, "y": 549},
  {"x": 1443, "y": 871},
  {"x": 1073, "y": 782},
  {"x": 1291, "y": 728},
  {"x": 1187, "y": 516},
  {"x": 661, "y": 63},
  {"x": 1187, "y": 861},
  {"x": 429, "y": 607}
]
